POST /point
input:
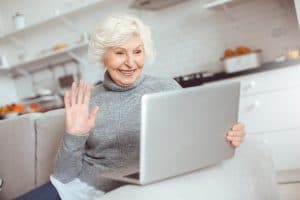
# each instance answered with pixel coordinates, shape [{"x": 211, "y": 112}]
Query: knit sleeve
[
  {"x": 69, "y": 157},
  {"x": 68, "y": 160}
]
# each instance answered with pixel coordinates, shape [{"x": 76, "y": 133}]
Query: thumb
[{"x": 93, "y": 114}]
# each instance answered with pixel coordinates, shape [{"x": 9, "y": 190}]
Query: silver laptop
[{"x": 182, "y": 131}]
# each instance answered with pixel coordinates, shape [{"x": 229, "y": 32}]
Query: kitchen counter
[{"x": 201, "y": 78}]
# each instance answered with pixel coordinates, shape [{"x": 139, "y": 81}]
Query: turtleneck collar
[{"x": 109, "y": 84}]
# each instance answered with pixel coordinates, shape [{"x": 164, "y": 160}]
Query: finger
[
  {"x": 238, "y": 126},
  {"x": 236, "y": 133},
  {"x": 87, "y": 94},
  {"x": 93, "y": 115},
  {"x": 229, "y": 138},
  {"x": 80, "y": 92},
  {"x": 67, "y": 101},
  {"x": 231, "y": 133},
  {"x": 235, "y": 139},
  {"x": 73, "y": 94},
  {"x": 240, "y": 134}
]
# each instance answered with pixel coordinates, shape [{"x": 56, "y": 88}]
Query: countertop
[{"x": 201, "y": 78}]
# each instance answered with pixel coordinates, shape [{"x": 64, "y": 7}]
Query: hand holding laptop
[{"x": 236, "y": 135}]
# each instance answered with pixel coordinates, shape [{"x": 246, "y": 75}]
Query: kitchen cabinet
[
  {"x": 270, "y": 109},
  {"x": 270, "y": 81},
  {"x": 45, "y": 58},
  {"x": 65, "y": 14}
]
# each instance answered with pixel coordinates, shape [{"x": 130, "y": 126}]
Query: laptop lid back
[{"x": 184, "y": 130}]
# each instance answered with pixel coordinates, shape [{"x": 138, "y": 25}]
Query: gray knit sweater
[{"x": 114, "y": 141}]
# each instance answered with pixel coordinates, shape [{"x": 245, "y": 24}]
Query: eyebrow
[
  {"x": 139, "y": 46},
  {"x": 115, "y": 48}
]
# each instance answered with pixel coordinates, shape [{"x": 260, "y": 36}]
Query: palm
[{"x": 78, "y": 119}]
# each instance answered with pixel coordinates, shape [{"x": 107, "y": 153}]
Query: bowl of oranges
[{"x": 241, "y": 58}]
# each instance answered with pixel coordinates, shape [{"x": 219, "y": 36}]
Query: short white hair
[{"x": 115, "y": 30}]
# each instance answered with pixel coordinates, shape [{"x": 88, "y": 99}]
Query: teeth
[{"x": 127, "y": 72}]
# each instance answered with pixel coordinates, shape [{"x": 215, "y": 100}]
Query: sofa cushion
[
  {"x": 17, "y": 161},
  {"x": 49, "y": 131},
  {"x": 249, "y": 175}
]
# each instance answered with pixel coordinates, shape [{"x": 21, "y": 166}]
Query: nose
[{"x": 130, "y": 61}]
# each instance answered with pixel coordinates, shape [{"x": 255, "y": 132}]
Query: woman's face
[{"x": 124, "y": 63}]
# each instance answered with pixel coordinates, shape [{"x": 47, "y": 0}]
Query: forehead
[{"x": 131, "y": 43}]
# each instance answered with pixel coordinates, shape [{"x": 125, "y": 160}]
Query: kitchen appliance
[{"x": 190, "y": 80}]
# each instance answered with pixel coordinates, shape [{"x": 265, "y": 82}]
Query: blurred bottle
[
  {"x": 19, "y": 21},
  {"x": 3, "y": 61}
]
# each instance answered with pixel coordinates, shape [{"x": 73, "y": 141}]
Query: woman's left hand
[{"x": 236, "y": 135}]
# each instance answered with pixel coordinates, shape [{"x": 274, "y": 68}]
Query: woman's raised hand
[{"x": 78, "y": 120}]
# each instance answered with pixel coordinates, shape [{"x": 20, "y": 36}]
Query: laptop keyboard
[{"x": 134, "y": 175}]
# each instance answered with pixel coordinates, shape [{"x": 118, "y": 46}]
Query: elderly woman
[{"x": 102, "y": 126}]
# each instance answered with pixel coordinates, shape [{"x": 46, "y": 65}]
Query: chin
[{"x": 127, "y": 82}]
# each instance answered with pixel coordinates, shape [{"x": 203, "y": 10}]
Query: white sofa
[
  {"x": 248, "y": 176},
  {"x": 29, "y": 143}
]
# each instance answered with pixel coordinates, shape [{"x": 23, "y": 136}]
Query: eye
[
  {"x": 119, "y": 53},
  {"x": 138, "y": 51}
]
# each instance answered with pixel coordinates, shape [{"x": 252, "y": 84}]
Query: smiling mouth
[{"x": 127, "y": 72}]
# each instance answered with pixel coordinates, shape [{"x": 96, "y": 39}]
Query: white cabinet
[
  {"x": 270, "y": 109},
  {"x": 276, "y": 80},
  {"x": 285, "y": 148}
]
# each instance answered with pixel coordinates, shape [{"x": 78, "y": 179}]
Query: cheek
[
  {"x": 140, "y": 62},
  {"x": 114, "y": 62}
]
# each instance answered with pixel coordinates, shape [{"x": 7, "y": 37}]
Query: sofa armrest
[
  {"x": 49, "y": 131},
  {"x": 249, "y": 175},
  {"x": 17, "y": 155}
]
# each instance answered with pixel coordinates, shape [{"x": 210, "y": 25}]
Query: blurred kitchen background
[{"x": 43, "y": 44}]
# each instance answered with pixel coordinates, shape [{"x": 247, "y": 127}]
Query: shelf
[
  {"x": 48, "y": 56},
  {"x": 28, "y": 27},
  {"x": 215, "y": 3}
]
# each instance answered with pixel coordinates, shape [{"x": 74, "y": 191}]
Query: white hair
[{"x": 115, "y": 30}]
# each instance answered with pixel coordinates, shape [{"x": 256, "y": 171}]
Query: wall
[
  {"x": 8, "y": 92},
  {"x": 187, "y": 38}
]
